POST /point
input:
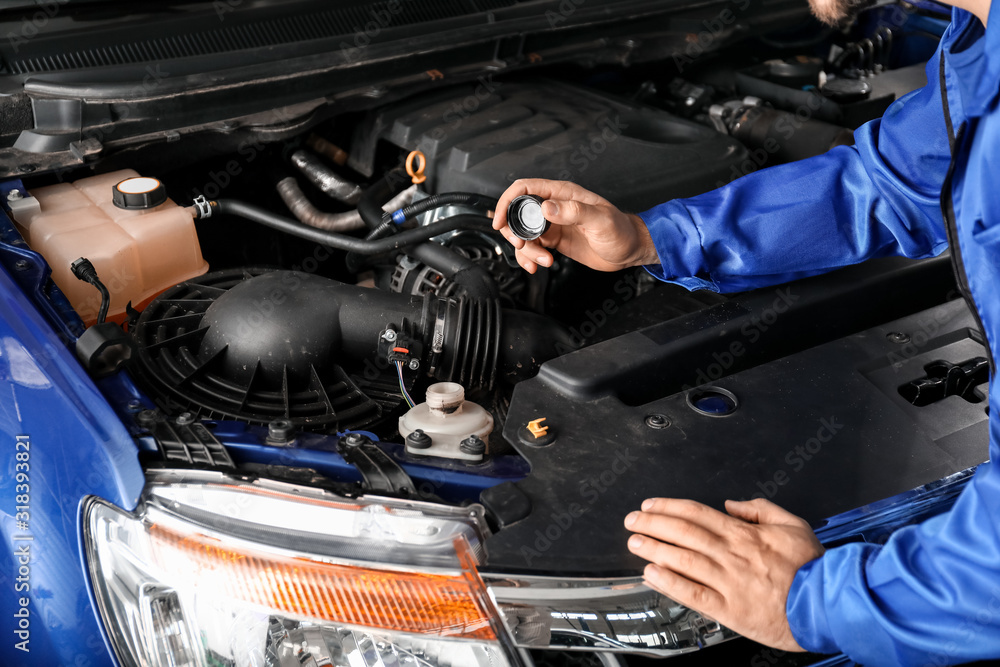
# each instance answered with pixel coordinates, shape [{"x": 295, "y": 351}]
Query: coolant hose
[
  {"x": 370, "y": 204},
  {"x": 348, "y": 221},
  {"x": 326, "y": 179},
  {"x": 342, "y": 242}
]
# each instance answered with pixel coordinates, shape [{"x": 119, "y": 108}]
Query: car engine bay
[{"x": 324, "y": 302}]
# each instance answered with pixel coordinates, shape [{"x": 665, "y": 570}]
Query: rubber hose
[
  {"x": 302, "y": 208},
  {"x": 342, "y": 242},
  {"x": 370, "y": 204},
  {"x": 444, "y": 199},
  {"x": 790, "y": 99},
  {"x": 474, "y": 278}
]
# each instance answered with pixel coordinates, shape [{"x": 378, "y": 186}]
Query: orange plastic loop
[
  {"x": 416, "y": 173},
  {"x": 536, "y": 429}
]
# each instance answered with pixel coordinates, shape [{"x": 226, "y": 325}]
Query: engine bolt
[
  {"x": 414, "y": 364},
  {"x": 657, "y": 422},
  {"x": 356, "y": 439},
  {"x": 280, "y": 431},
  {"x": 185, "y": 418},
  {"x": 14, "y": 195},
  {"x": 389, "y": 335},
  {"x": 22, "y": 265},
  {"x": 134, "y": 405},
  {"x": 147, "y": 418},
  {"x": 473, "y": 445},
  {"x": 418, "y": 440},
  {"x": 898, "y": 337}
]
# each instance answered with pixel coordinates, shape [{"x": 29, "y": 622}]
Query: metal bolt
[
  {"x": 389, "y": 335},
  {"x": 280, "y": 430},
  {"x": 134, "y": 405},
  {"x": 414, "y": 364},
  {"x": 473, "y": 445},
  {"x": 22, "y": 265},
  {"x": 898, "y": 337},
  {"x": 689, "y": 102},
  {"x": 147, "y": 418},
  {"x": 356, "y": 439},
  {"x": 14, "y": 195},
  {"x": 185, "y": 418},
  {"x": 418, "y": 440},
  {"x": 657, "y": 421}
]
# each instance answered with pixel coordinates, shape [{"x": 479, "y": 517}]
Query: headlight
[{"x": 209, "y": 571}]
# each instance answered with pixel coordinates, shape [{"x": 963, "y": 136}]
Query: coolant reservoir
[
  {"x": 445, "y": 422},
  {"x": 138, "y": 251}
]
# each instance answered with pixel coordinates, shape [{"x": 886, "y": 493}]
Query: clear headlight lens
[{"x": 212, "y": 573}]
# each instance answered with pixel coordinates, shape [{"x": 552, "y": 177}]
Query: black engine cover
[
  {"x": 820, "y": 429},
  {"x": 480, "y": 138}
]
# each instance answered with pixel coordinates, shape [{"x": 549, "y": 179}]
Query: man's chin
[{"x": 838, "y": 12}]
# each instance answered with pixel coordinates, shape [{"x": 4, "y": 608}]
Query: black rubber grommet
[{"x": 418, "y": 440}]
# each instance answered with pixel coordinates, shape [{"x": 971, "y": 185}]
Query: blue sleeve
[
  {"x": 930, "y": 596},
  {"x": 879, "y": 197}
]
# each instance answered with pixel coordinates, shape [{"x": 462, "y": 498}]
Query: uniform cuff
[
  {"x": 806, "y": 610},
  {"x": 678, "y": 246}
]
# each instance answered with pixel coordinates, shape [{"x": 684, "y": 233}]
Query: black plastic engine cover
[
  {"x": 820, "y": 431},
  {"x": 480, "y": 138}
]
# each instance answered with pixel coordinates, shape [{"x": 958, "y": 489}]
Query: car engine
[{"x": 319, "y": 298}]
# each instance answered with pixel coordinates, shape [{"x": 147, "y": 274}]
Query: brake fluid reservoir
[
  {"x": 139, "y": 241},
  {"x": 444, "y": 425}
]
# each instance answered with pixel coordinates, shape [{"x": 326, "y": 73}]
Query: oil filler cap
[
  {"x": 524, "y": 217},
  {"x": 137, "y": 193}
]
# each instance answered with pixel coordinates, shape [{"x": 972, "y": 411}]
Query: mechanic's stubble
[{"x": 838, "y": 12}]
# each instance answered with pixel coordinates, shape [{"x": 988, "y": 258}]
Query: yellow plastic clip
[
  {"x": 536, "y": 429},
  {"x": 416, "y": 174}
]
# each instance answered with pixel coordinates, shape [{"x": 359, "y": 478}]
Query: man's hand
[
  {"x": 735, "y": 568},
  {"x": 585, "y": 227}
]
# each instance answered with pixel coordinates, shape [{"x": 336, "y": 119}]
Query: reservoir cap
[
  {"x": 524, "y": 217},
  {"x": 140, "y": 192}
]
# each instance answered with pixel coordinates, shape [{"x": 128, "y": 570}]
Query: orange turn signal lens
[{"x": 447, "y": 605}]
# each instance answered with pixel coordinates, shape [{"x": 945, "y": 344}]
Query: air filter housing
[{"x": 259, "y": 345}]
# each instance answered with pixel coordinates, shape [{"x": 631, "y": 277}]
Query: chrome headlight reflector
[{"x": 211, "y": 571}]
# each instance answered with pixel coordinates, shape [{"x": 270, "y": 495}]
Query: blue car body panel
[{"x": 76, "y": 447}]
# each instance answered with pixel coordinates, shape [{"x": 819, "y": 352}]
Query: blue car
[{"x": 274, "y": 392}]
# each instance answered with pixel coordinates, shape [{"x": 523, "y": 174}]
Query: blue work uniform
[{"x": 927, "y": 172}]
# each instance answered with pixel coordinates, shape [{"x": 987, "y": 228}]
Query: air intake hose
[{"x": 314, "y": 322}]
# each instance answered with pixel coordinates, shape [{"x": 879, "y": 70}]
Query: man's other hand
[
  {"x": 585, "y": 227},
  {"x": 735, "y": 568}
]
